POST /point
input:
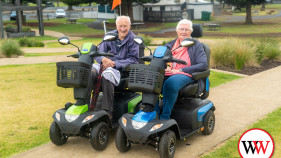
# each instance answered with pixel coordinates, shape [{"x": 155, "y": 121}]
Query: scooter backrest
[{"x": 197, "y": 31}]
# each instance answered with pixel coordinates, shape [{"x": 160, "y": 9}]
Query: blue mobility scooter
[
  {"x": 80, "y": 119},
  {"x": 192, "y": 112}
]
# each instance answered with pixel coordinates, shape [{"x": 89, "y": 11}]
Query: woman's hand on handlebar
[
  {"x": 107, "y": 63},
  {"x": 173, "y": 71}
]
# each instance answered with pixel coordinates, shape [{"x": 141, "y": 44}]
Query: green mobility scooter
[{"x": 81, "y": 119}]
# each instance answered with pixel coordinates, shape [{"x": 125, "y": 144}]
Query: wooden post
[
  {"x": 40, "y": 17},
  {"x": 19, "y": 17},
  {"x": 1, "y": 21}
]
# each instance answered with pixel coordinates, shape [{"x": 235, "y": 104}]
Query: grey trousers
[{"x": 107, "y": 88}]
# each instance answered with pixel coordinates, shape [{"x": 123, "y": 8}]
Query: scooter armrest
[{"x": 198, "y": 75}]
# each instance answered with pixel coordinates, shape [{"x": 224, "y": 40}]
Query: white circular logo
[{"x": 256, "y": 143}]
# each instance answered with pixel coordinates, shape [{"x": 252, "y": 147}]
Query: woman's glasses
[{"x": 183, "y": 29}]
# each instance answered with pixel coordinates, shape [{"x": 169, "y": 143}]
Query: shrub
[
  {"x": 26, "y": 29},
  {"x": 146, "y": 39},
  {"x": 164, "y": 43},
  {"x": 10, "y": 26},
  {"x": 267, "y": 48},
  {"x": 25, "y": 42},
  {"x": 232, "y": 53},
  {"x": 10, "y": 48}
]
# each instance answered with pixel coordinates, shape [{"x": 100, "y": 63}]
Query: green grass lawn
[
  {"x": 29, "y": 97},
  {"x": 46, "y": 54},
  {"x": 271, "y": 123}
]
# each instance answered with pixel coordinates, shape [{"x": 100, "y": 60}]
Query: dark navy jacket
[
  {"x": 128, "y": 53},
  {"x": 197, "y": 57}
]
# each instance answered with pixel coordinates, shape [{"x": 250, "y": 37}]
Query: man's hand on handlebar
[{"x": 107, "y": 63}]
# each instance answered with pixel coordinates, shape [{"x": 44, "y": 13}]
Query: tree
[
  {"x": 126, "y": 5},
  {"x": 71, "y": 3},
  {"x": 245, "y": 4}
]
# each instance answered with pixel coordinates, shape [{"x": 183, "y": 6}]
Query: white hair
[
  {"x": 122, "y": 17},
  {"x": 185, "y": 21}
]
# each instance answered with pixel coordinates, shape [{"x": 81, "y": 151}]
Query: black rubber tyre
[
  {"x": 121, "y": 141},
  {"x": 209, "y": 123},
  {"x": 56, "y": 136},
  {"x": 167, "y": 145},
  {"x": 99, "y": 136}
]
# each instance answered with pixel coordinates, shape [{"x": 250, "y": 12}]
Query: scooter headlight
[
  {"x": 71, "y": 118},
  {"x": 88, "y": 118},
  {"x": 124, "y": 121},
  {"x": 58, "y": 116},
  {"x": 138, "y": 125},
  {"x": 155, "y": 127}
]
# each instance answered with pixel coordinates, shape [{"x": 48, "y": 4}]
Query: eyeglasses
[{"x": 183, "y": 29}]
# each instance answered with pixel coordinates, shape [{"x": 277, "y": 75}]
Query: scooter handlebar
[
  {"x": 171, "y": 59},
  {"x": 179, "y": 61},
  {"x": 96, "y": 54}
]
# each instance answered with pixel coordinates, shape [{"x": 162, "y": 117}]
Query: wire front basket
[
  {"x": 145, "y": 78},
  {"x": 73, "y": 74}
]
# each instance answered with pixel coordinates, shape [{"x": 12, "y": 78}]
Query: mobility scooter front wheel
[
  {"x": 56, "y": 136},
  {"x": 167, "y": 145},
  {"x": 99, "y": 136},
  {"x": 121, "y": 141}
]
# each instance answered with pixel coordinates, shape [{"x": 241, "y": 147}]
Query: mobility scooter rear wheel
[
  {"x": 209, "y": 123},
  {"x": 121, "y": 141},
  {"x": 99, "y": 136},
  {"x": 167, "y": 145},
  {"x": 56, "y": 136}
]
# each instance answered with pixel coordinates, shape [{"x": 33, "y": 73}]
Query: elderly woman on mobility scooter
[
  {"x": 177, "y": 75},
  {"x": 125, "y": 52}
]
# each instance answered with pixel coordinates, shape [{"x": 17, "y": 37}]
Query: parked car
[
  {"x": 60, "y": 13},
  {"x": 13, "y": 15},
  {"x": 49, "y": 4}
]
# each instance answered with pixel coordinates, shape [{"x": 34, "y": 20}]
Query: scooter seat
[
  {"x": 123, "y": 85},
  {"x": 189, "y": 91}
]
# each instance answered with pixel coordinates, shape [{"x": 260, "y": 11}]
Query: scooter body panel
[
  {"x": 189, "y": 115},
  {"x": 74, "y": 127},
  {"x": 121, "y": 101},
  {"x": 142, "y": 135}
]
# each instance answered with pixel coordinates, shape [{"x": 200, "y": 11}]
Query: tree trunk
[
  {"x": 58, "y": 3},
  {"x": 249, "y": 13},
  {"x": 70, "y": 7},
  {"x": 263, "y": 6},
  {"x": 127, "y": 9}
]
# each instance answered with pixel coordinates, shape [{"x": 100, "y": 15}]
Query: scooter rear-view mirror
[
  {"x": 110, "y": 37},
  {"x": 138, "y": 40},
  {"x": 188, "y": 42},
  {"x": 64, "y": 41}
]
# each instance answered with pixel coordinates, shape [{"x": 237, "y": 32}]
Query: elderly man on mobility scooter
[
  {"x": 81, "y": 119},
  {"x": 191, "y": 113},
  {"x": 125, "y": 52}
]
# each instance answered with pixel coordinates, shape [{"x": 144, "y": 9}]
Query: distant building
[{"x": 175, "y": 10}]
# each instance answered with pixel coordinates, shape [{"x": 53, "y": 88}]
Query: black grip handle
[
  {"x": 146, "y": 58},
  {"x": 179, "y": 61},
  {"x": 96, "y": 54},
  {"x": 105, "y": 54}
]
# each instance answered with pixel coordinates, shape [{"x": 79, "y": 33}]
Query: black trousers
[{"x": 107, "y": 88}]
